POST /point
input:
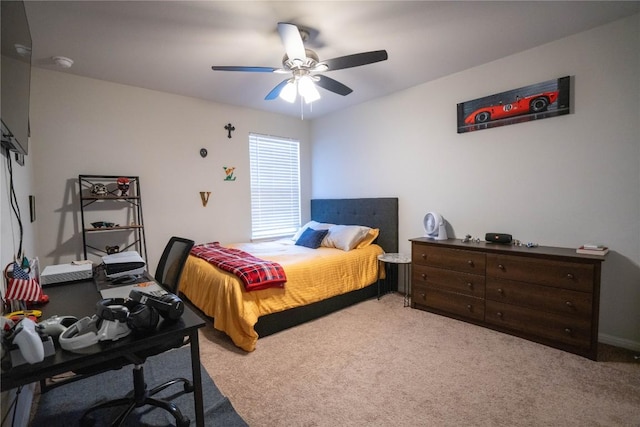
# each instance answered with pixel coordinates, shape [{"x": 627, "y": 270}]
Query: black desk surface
[{"x": 78, "y": 299}]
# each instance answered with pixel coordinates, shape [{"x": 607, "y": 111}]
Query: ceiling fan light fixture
[
  {"x": 289, "y": 92},
  {"x": 308, "y": 90},
  {"x": 303, "y": 63}
]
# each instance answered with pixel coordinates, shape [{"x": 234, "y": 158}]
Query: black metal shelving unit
[{"x": 110, "y": 217}]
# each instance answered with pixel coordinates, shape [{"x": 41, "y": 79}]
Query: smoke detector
[
  {"x": 22, "y": 50},
  {"x": 63, "y": 61}
]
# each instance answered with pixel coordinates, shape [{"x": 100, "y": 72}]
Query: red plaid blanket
[{"x": 254, "y": 272}]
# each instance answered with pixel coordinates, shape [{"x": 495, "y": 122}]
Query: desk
[{"x": 79, "y": 299}]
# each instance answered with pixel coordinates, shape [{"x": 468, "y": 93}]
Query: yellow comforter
[{"x": 312, "y": 275}]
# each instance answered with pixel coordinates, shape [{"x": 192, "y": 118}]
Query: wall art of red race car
[{"x": 523, "y": 105}]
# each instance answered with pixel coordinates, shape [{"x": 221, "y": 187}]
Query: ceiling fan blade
[
  {"x": 249, "y": 69},
  {"x": 292, "y": 41},
  {"x": 276, "y": 90},
  {"x": 333, "y": 85},
  {"x": 356, "y": 60}
]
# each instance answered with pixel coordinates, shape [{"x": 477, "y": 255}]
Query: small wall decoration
[
  {"x": 229, "y": 129},
  {"x": 204, "y": 196},
  {"x": 123, "y": 186},
  {"x": 229, "y": 173},
  {"x": 537, "y": 101},
  {"x": 203, "y": 152},
  {"x": 32, "y": 208}
]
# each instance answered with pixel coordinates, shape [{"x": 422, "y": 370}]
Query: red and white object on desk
[
  {"x": 592, "y": 249},
  {"x": 22, "y": 285}
]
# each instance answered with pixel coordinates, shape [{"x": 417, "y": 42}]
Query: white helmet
[{"x": 99, "y": 189}]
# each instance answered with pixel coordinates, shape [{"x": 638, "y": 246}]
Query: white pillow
[
  {"x": 345, "y": 237},
  {"x": 311, "y": 224}
]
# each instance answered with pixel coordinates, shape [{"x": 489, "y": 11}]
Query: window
[{"x": 275, "y": 186}]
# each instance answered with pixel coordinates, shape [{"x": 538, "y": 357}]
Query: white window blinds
[{"x": 275, "y": 186}]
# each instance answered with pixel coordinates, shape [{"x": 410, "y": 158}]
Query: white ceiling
[{"x": 170, "y": 46}]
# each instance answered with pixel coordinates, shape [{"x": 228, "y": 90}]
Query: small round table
[{"x": 405, "y": 262}]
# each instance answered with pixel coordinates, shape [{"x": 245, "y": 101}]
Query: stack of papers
[
  {"x": 592, "y": 249},
  {"x": 122, "y": 291}
]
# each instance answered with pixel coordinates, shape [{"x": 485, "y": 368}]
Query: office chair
[
  {"x": 172, "y": 263},
  {"x": 167, "y": 275}
]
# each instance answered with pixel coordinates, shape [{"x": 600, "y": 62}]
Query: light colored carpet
[{"x": 381, "y": 364}]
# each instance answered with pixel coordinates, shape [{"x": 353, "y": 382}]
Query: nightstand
[{"x": 405, "y": 262}]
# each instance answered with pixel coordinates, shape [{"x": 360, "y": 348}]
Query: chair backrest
[{"x": 172, "y": 262}]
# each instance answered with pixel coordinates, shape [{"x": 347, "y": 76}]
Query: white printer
[{"x": 128, "y": 263}]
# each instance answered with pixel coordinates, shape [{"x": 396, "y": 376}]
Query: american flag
[{"x": 22, "y": 287}]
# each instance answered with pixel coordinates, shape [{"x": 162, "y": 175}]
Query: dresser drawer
[
  {"x": 560, "y": 274},
  {"x": 545, "y": 294},
  {"x": 438, "y": 278},
  {"x": 563, "y": 329},
  {"x": 452, "y": 259},
  {"x": 544, "y": 298},
  {"x": 461, "y": 305}
]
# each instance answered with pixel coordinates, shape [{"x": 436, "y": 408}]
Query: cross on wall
[{"x": 229, "y": 128}]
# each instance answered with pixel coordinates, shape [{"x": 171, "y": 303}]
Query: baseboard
[{"x": 619, "y": 342}]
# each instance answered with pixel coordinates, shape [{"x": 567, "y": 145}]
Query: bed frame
[{"x": 379, "y": 213}]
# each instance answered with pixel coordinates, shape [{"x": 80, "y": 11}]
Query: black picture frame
[
  {"x": 32, "y": 208},
  {"x": 542, "y": 100}
]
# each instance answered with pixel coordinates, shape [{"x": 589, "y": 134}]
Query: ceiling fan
[{"x": 306, "y": 68}]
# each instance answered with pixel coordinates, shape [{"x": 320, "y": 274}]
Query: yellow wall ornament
[{"x": 228, "y": 171}]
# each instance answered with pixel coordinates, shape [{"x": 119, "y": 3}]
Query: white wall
[
  {"x": 87, "y": 126},
  {"x": 10, "y": 232},
  {"x": 9, "y": 244},
  {"x": 23, "y": 187},
  {"x": 561, "y": 181}
]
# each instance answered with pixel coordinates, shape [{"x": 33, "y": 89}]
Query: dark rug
[{"x": 64, "y": 405}]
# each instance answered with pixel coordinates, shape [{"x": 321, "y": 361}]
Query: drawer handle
[
  {"x": 470, "y": 262},
  {"x": 567, "y": 331},
  {"x": 570, "y": 276},
  {"x": 423, "y": 296},
  {"x": 423, "y": 256},
  {"x": 500, "y": 291},
  {"x": 470, "y": 285},
  {"x": 424, "y": 276},
  {"x": 569, "y": 304},
  {"x": 469, "y": 307},
  {"x": 501, "y": 267},
  {"x": 499, "y": 314}
]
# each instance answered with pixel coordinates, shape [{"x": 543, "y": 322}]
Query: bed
[{"x": 247, "y": 315}]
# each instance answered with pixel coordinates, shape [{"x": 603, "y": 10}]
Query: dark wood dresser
[{"x": 544, "y": 294}]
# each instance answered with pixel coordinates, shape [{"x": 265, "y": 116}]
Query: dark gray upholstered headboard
[{"x": 379, "y": 213}]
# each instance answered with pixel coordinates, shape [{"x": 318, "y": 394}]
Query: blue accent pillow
[{"x": 311, "y": 238}]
